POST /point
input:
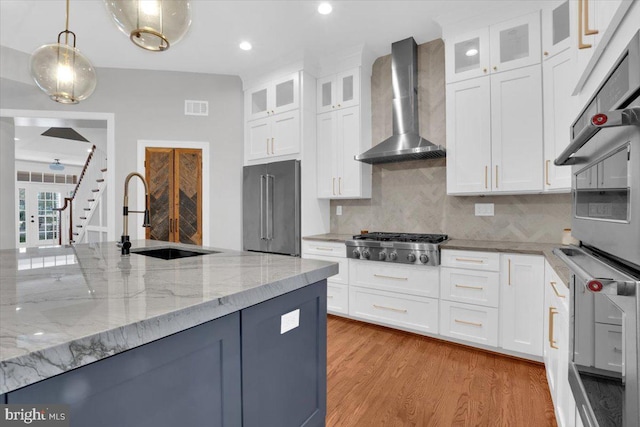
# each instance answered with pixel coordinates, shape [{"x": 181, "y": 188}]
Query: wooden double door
[{"x": 174, "y": 176}]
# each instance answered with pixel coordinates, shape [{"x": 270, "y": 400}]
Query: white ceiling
[{"x": 280, "y": 31}]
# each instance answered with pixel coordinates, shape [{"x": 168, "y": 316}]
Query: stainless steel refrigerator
[{"x": 271, "y": 208}]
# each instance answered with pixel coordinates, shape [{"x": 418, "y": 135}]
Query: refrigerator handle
[
  {"x": 270, "y": 208},
  {"x": 262, "y": 185}
]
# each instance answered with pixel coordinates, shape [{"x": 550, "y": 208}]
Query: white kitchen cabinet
[
  {"x": 560, "y": 110},
  {"x": 469, "y": 136},
  {"x": 474, "y": 260},
  {"x": 401, "y": 295},
  {"x": 339, "y": 140},
  {"x": 494, "y": 133},
  {"x": 521, "y": 303},
  {"x": 516, "y": 124},
  {"x": 337, "y": 285},
  {"x": 273, "y": 136},
  {"x": 470, "y": 286},
  {"x": 501, "y": 47},
  {"x": 272, "y": 98},
  {"x": 556, "y": 29},
  {"x": 341, "y": 90},
  {"x": 469, "y": 322},
  {"x": 556, "y": 346},
  {"x": 594, "y": 23}
]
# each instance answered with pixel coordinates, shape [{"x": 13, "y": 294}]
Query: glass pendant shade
[
  {"x": 151, "y": 24},
  {"x": 63, "y": 73}
]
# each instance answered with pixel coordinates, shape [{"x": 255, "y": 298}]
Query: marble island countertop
[{"x": 65, "y": 307}]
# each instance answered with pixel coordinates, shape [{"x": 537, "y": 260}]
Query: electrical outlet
[
  {"x": 484, "y": 209},
  {"x": 338, "y": 210}
]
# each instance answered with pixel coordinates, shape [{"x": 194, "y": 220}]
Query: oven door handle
[
  {"x": 626, "y": 117},
  {"x": 580, "y": 273}
]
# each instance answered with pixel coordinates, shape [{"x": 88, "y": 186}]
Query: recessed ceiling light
[
  {"x": 325, "y": 8},
  {"x": 245, "y": 46},
  {"x": 472, "y": 52}
]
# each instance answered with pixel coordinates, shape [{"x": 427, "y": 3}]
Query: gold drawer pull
[
  {"x": 390, "y": 277},
  {"x": 552, "y": 342},
  {"x": 470, "y": 287},
  {"x": 546, "y": 168},
  {"x": 382, "y": 307},
  {"x": 324, "y": 249},
  {"x": 553, "y": 285},
  {"x": 479, "y": 261},
  {"x": 464, "y": 322}
]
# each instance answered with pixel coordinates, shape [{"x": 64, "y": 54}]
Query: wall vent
[{"x": 196, "y": 108}]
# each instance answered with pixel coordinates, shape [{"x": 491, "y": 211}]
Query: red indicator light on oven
[
  {"x": 594, "y": 286},
  {"x": 599, "y": 119}
]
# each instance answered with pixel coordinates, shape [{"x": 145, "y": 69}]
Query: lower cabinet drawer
[
  {"x": 469, "y": 286},
  {"x": 608, "y": 344},
  {"x": 404, "y": 311},
  {"x": 469, "y": 322},
  {"x": 403, "y": 278},
  {"x": 337, "y": 298}
]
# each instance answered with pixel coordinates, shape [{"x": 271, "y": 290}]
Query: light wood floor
[{"x": 382, "y": 377}]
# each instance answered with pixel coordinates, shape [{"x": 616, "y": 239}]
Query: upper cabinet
[
  {"x": 494, "y": 121},
  {"x": 337, "y": 91},
  {"x": 343, "y": 130},
  {"x": 556, "y": 29},
  {"x": 594, "y": 23},
  {"x": 272, "y": 120},
  {"x": 501, "y": 47},
  {"x": 273, "y": 98}
]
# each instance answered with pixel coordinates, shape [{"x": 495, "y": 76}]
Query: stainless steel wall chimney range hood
[{"x": 406, "y": 143}]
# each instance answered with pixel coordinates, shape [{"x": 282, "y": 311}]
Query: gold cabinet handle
[
  {"x": 558, "y": 294},
  {"x": 267, "y": 145},
  {"x": 381, "y": 276},
  {"x": 382, "y": 307},
  {"x": 587, "y": 31},
  {"x": 495, "y": 68},
  {"x": 333, "y": 186},
  {"x": 486, "y": 177},
  {"x": 552, "y": 343},
  {"x": 509, "y": 271},
  {"x": 546, "y": 166},
  {"x": 546, "y": 53},
  {"x": 484, "y": 70},
  {"x": 581, "y": 43},
  {"x": 273, "y": 151},
  {"x": 340, "y": 186},
  {"x": 496, "y": 176},
  {"x": 479, "y": 288},
  {"x": 464, "y": 322},
  {"x": 324, "y": 249},
  {"x": 479, "y": 261}
]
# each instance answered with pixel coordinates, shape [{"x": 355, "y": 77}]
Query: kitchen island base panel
[
  {"x": 284, "y": 371},
  {"x": 189, "y": 378}
]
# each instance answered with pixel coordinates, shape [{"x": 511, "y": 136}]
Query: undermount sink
[{"x": 172, "y": 253}]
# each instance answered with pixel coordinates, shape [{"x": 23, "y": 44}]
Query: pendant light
[
  {"x": 61, "y": 71},
  {"x": 151, "y": 24}
]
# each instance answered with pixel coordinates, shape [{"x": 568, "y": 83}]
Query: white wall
[
  {"x": 149, "y": 105},
  {"x": 7, "y": 185}
]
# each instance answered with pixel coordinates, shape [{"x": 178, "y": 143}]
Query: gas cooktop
[{"x": 403, "y": 248}]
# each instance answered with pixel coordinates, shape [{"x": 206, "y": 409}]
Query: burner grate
[{"x": 402, "y": 237}]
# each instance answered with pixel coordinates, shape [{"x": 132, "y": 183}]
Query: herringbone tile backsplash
[{"x": 412, "y": 196}]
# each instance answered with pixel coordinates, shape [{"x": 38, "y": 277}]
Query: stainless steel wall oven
[{"x": 605, "y": 268}]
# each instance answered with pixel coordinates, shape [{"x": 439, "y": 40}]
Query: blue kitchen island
[{"x": 219, "y": 339}]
